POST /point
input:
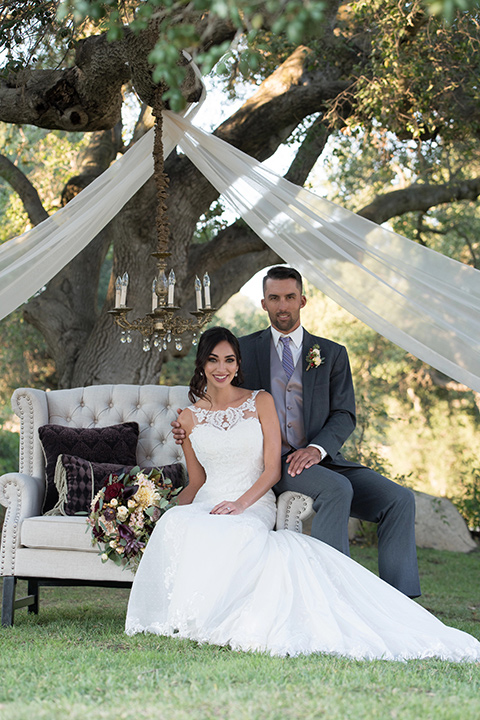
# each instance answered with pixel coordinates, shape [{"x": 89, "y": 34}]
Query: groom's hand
[
  {"x": 178, "y": 432},
  {"x": 303, "y": 458}
]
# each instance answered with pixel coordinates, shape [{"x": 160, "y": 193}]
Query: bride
[{"x": 214, "y": 570}]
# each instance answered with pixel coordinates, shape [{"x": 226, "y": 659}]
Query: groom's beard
[{"x": 286, "y": 323}]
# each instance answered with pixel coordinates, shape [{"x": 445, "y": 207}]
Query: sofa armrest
[
  {"x": 30, "y": 405},
  {"x": 292, "y": 508},
  {"x": 22, "y": 495}
]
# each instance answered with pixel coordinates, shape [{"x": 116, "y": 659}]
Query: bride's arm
[
  {"x": 272, "y": 451},
  {"x": 196, "y": 473}
]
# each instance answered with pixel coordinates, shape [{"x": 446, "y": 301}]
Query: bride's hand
[{"x": 228, "y": 507}]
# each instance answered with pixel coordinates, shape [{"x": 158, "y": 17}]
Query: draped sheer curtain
[{"x": 421, "y": 300}]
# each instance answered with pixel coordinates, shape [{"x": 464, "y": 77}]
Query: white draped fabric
[
  {"x": 421, "y": 300},
  {"x": 29, "y": 261}
]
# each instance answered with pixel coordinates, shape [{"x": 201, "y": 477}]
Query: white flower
[
  {"x": 114, "y": 502},
  {"x": 122, "y": 513},
  {"x": 146, "y": 494},
  {"x": 104, "y": 557}
]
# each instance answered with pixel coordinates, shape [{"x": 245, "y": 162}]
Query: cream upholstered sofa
[{"x": 57, "y": 550}]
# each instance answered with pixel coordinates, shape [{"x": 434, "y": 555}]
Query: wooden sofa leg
[
  {"x": 8, "y": 601},
  {"x": 32, "y": 592}
]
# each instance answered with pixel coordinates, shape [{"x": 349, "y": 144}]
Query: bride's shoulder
[
  {"x": 266, "y": 411},
  {"x": 263, "y": 399}
]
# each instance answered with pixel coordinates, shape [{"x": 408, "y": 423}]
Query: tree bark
[
  {"x": 103, "y": 358},
  {"x": 88, "y": 96}
]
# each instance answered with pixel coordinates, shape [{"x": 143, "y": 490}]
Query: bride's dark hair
[{"x": 208, "y": 341}]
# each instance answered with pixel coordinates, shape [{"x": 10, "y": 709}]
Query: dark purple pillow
[
  {"x": 111, "y": 444},
  {"x": 73, "y": 478}
]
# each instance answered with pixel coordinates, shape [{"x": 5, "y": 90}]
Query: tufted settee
[{"x": 56, "y": 550}]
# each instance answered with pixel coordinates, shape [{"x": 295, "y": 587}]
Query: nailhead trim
[
  {"x": 288, "y": 512},
  {"x": 11, "y": 524},
  {"x": 24, "y": 410}
]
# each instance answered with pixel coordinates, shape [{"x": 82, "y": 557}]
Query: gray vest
[{"x": 288, "y": 399}]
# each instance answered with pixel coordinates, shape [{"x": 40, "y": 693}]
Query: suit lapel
[
  {"x": 263, "y": 359},
  {"x": 308, "y": 378}
]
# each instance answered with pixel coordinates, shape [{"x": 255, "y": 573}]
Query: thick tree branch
[
  {"x": 88, "y": 96},
  {"x": 228, "y": 244},
  {"x": 59, "y": 100},
  {"x": 25, "y": 190},
  {"x": 418, "y": 197},
  {"x": 309, "y": 152},
  {"x": 291, "y": 93}
]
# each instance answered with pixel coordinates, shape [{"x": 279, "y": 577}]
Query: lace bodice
[
  {"x": 229, "y": 445},
  {"x": 226, "y": 419}
]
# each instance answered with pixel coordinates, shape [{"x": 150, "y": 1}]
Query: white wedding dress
[{"x": 232, "y": 580}]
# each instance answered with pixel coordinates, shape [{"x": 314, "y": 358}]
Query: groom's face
[{"x": 283, "y": 301}]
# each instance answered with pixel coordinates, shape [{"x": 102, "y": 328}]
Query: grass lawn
[{"x": 73, "y": 661}]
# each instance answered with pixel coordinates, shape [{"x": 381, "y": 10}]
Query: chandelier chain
[{"x": 166, "y": 321}]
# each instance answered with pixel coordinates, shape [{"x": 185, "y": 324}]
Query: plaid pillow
[{"x": 78, "y": 481}]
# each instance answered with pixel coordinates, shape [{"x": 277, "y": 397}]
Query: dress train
[{"x": 232, "y": 580}]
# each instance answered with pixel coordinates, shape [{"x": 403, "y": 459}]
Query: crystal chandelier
[{"x": 164, "y": 323}]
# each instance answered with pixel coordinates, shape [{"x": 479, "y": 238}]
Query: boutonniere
[{"x": 314, "y": 358}]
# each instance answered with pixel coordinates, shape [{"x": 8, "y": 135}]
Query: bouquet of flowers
[{"x": 124, "y": 512}]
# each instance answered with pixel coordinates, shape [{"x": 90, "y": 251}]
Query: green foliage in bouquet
[{"x": 124, "y": 512}]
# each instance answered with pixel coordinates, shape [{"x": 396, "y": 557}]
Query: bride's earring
[{"x": 236, "y": 374}]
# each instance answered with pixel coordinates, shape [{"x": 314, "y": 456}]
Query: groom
[{"x": 310, "y": 380}]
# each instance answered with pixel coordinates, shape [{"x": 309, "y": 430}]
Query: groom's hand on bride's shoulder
[{"x": 177, "y": 430}]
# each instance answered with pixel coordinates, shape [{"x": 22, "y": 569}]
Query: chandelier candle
[
  {"x": 121, "y": 285},
  {"x": 206, "y": 288},
  {"x": 154, "y": 295},
  {"x": 198, "y": 293},
  {"x": 171, "y": 288}
]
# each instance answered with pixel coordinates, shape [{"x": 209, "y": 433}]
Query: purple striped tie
[{"x": 287, "y": 359}]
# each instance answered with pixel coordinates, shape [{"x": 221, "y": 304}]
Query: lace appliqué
[{"x": 226, "y": 419}]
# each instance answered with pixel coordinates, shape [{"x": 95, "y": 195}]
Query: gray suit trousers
[{"x": 339, "y": 492}]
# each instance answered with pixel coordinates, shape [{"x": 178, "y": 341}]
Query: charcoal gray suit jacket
[{"x": 328, "y": 395}]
